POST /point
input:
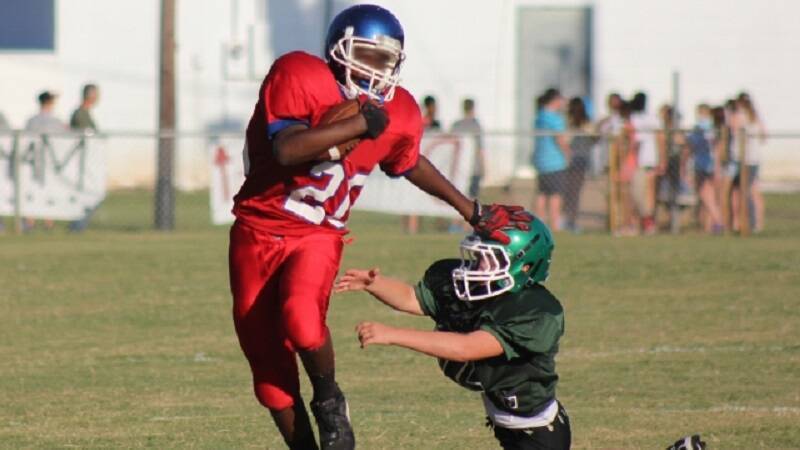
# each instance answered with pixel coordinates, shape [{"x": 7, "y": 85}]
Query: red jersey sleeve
[
  {"x": 406, "y": 127},
  {"x": 288, "y": 91}
]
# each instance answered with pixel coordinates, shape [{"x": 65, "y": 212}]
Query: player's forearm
[
  {"x": 298, "y": 144},
  {"x": 395, "y": 294},
  {"x": 426, "y": 177},
  {"x": 447, "y": 345}
]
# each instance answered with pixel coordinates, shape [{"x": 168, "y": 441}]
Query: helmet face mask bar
[
  {"x": 484, "y": 271},
  {"x": 359, "y": 76}
]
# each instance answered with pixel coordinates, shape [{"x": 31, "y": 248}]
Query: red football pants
[{"x": 281, "y": 287}]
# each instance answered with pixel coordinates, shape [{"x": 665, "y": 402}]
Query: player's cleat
[{"x": 333, "y": 419}]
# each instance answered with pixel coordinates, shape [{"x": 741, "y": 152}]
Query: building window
[{"x": 27, "y": 25}]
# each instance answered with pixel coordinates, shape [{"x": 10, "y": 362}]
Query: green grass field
[{"x": 121, "y": 337}]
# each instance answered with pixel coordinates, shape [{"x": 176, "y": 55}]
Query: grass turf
[{"x": 121, "y": 337}]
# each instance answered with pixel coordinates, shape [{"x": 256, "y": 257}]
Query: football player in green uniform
[{"x": 497, "y": 330}]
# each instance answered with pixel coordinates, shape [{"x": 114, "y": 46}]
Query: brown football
[{"x": 341, "y": 111}]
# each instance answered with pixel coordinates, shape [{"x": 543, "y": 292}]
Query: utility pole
[{"x": 165, "y": 190}]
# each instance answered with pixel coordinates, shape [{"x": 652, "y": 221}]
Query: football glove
[
  {"x": 376, "y": 118},
  {"x": 688, "y": 443},
  {"x": 489, "y": 220}
]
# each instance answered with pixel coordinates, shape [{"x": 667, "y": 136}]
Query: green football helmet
[{"x": 489, "y": 268}]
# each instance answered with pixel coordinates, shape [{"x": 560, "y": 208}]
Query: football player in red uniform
[{"x": 286, "y": 243}]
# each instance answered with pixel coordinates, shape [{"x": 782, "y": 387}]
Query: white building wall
[{"x": 456, "y": 49}]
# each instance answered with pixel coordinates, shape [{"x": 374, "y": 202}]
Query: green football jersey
[{"x": 528, "y": 324}]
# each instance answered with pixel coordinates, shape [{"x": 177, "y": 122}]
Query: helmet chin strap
[{"x": 349, "y": 91}]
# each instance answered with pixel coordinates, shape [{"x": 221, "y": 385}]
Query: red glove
[{"x": 488, "y": 220}]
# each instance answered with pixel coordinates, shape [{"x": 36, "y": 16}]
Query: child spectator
[
  {"x": 756, "y": 136},
  {"x": 706, "y": 169},
  {"x": 550, "y": 157},
  {"x": 648, "y": 164},
  {"x": 580, "y": 148},
  {"x": 469, "y": 125}
]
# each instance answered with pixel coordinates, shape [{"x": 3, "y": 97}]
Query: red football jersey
[{"x": 315, "y": 196}]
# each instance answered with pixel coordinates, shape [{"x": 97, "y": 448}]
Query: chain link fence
[{"x": 109, "y": 181}]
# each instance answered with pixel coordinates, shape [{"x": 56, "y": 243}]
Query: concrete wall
[{"x": 456, "y": 49}]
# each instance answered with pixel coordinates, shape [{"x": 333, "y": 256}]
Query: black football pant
[{"x": 556, "y": 436}]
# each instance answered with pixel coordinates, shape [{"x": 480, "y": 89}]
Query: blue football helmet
[{"x": 365, "y": 51}]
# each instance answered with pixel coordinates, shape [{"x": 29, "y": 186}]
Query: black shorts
[
  {"x": 556, "y": 436},
  {"x": 552, "y": 183}
]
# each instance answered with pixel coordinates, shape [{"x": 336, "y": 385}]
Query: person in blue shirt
[{"x": 550, "y": 157}]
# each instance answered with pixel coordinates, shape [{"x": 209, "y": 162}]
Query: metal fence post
[
  {"x": 16, "y": 163},
  {"x": 744, "y": 185}
]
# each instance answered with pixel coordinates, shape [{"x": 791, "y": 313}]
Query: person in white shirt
[
  {"x": 649, "y": 165},
  {"x": 44, "y": 122},
  {"x": 756, "y": 137}
]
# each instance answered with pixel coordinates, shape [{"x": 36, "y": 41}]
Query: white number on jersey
[{"x": 314, "y": 210}]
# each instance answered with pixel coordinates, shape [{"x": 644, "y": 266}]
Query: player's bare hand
[
  {"x": 356, "y": 280},
  {"x": 373, "y": 333}
]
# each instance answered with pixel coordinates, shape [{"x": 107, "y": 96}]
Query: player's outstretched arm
[
  {"x": 459, "y": 347},
  {"x": 426, "y": 177},
  {"x": 393, "y": 293},
  {"x": 488, "y": 220}
]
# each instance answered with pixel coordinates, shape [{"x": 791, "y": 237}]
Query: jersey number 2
[{"x": 313, "y": 210}]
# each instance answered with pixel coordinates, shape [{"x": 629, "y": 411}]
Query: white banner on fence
[
  {"x": 227, "y": 176},
  {"x": 60, "y": 178},
  {"x": 452, "y": 155}
]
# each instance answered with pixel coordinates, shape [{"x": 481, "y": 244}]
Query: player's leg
[
  {"x": 295, "y": 426},
  {"x": 305, "y": 286},
  {"x": 556, "y": 436},
  {"x": 254, "y": 260}
]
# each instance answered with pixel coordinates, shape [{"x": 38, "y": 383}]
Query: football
[{"x": 339, "y": 112}]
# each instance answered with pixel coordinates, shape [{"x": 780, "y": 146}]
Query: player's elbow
[{"x": 282, "y": 153}]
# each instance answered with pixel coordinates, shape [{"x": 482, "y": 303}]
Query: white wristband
[{"x": 334, "y": 153}]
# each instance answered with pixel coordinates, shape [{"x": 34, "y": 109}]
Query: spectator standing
[
  {"x": 430, "y": 124},
  {"x": 756, "y": 136},
  {"x": 612, "y": 123},
  {"x": 82, "y": 120},
  {"x": 469, "y": 125},
  {"x": 627, "y": 168},
  {"x": 649, "y": 164},
  {"x": 609, "y": 126},
  {"x": 580, "y": 149},
  {"x": 550, "y": 156},
  {"x": 674, "y": 150},
  {"x": 706, "y": 169},
  {"x": 429, "y": 111},
  {"x": 82, "y": 117},
  {"x": 44, "y": 122}
]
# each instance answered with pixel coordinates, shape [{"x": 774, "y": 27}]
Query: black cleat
[{"x": 333, "y": 419}]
